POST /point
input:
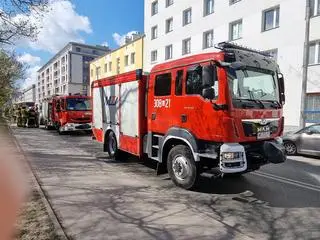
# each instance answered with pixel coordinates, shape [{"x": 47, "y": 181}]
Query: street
[{"x": 98, "y": 198}]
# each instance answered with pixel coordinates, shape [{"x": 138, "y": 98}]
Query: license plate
[{"x": 263, "y": 135}]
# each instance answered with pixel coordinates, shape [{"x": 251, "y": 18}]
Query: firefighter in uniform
[
  {"x": 31, "y": 117},
  {"x": 14, "y": 113},
  {"x": 19, "y": 116},
  {"x": 36, "y": 115},
  {"x": 24, "y": 113}
]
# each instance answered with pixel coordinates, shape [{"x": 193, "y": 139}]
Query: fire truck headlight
[{"x": 232, "y": 155}]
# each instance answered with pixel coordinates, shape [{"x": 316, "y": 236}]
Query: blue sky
[{"x": 89, "y": 21}]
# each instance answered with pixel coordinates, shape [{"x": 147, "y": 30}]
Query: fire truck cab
[
  {"x": 68, "y": 113},
  {"x": 218, "y": 110}
]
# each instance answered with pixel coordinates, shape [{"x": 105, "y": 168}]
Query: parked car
[{"x": 305, "y": 141}]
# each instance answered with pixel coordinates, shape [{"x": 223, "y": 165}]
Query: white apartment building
[
  {"x": 68, "y": 71},
  {"x": 25, "y": 95},
  {"x": 178, "y": 28}
]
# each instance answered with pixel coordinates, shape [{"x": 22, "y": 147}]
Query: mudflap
[
  {"x": 161, "y": 169},
  {"x": 274, "y": 152}
]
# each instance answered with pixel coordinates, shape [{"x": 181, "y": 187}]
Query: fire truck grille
[
  {"x": 251, "y": 128},
  {"x": 81, "y": 119},
  {"x": 83, "y": 126}
]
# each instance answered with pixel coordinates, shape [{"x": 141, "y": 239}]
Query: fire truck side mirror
[
  {"x": 209, "y": 75},
  {"x": 281, "y": 88},
  {"x": 208, "y": 93}
]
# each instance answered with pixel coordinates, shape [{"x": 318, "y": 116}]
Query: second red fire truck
[
  {"x": 214, "y": 110},
  {"x": 67, "y": 113}
]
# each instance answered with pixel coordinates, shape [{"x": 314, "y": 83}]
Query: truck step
[
  {"x": 155, "y": 146},
  {"x": 157, "y": 135},
  {"x": 155, "y": 158}
]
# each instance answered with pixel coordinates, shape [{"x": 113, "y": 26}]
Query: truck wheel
[
  {"x": 182, "y": 168},
  {"x": 111, "y": 145}
]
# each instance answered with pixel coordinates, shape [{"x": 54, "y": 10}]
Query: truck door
[
  {"x": 159, "y": 102},
  {"x": 112, "y": 109},
  {"x": 97, "y": 108}
]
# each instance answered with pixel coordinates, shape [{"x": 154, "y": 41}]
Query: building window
[
  {"x": 162, "y": 85},
  {"x": 313, "y": 107},
  {"x": 110, "y": 66},
  {"x": 98, "y": 72},
  {"x": 91, "y": 73},
  {"x": 169, "y": 3},
  {"x": 126, "y": 60},
  {"x": 78, "y": 49},
  {"x": 208, "y": 7},
  {"x": 169, "y": 25},
  {"x": 186, "y": 46},
  {"x": 154, "y": 56},
  {"x": 234, "y": 1},
  {"x": 235, "y": 30},
  {"x": 270, "y": 18},
  {"x": 118, "y": 65},
  {"x": 133, "y": 58},
  {"x": 154, "y": 8},
  {"x": 105, "y": 67},
  {"x": 178, "y": 83},
  {"x": 314, "y": 53},
  {"x": 273, "y": 53},
  {"x": 94, "y": 51},
  {"x": 187, "y": 16},
  {"x": 154, "y": 32},
  {"x": 168, "y": 52},
  {"x": 208, "y": 39},
  {"x": 315, "y": 7}
]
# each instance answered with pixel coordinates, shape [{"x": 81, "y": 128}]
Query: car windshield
[
  {"x": 78, "y": 104},
  {"x": 253, "y": 84},
  {"x": 313, "y": 129}
]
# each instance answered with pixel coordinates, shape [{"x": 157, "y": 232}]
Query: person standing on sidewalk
[
  {"x": 19, "y": 116},
  {"x": 24, "y": 113}
]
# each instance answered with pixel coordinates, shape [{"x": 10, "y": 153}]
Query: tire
[
  {"x": 291, "y": 148},
  {"x": 182, "y": 168},
  {"x": 111, "y": 145}
]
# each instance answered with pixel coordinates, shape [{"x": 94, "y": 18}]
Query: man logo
[
  {"x": 263, "y": 122},
  {"x": 112, "y": 100}
]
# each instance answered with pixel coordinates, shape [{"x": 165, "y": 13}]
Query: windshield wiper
[
  {"x": 274, "y": 104},
  {"x": 256, "y": 101}
]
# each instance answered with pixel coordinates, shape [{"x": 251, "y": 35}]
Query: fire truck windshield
[
  {"x": 78, "y": 104},
  {"x": 254, "y": 85}
]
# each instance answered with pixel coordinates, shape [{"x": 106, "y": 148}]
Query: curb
[{"x": 35, "y": 179}]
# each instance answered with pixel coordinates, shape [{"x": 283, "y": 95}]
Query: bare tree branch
[{"x": 19, "y": 19}]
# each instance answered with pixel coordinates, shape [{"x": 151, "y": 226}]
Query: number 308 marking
[{"x": 162, "y": 103}]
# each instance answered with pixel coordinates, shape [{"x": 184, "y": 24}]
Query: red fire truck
[
  {"x": 218, "y": 110},
  {"x": 67, "y": 113}
]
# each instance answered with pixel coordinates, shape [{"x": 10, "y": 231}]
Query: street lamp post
[{"x": 305, "y": 67}]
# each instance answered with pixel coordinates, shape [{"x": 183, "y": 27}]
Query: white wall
[
  {"x": 76, "y": 68},
  {"x": 288, "y": 38},
  {"x": 74, "y": 88}
]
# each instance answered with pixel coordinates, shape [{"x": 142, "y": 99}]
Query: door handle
[
  {"x": 183, "y": 118},
  {"x": 153, "y": 116}
]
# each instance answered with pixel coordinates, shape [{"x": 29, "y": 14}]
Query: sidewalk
[{"x": 33, "y": 221}]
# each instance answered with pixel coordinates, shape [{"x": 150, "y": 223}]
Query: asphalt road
[{"x": 98, "y": 198}]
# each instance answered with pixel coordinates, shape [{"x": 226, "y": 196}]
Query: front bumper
[
  {"x": 251, "y": 156},
  {"x": 72, "y": 127}
]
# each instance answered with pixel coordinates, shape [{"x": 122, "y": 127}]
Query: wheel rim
[
  {"x": 290, "y": 148},
  {"x": 112, "y": 145},
  {"x": 181, "y": 167}
]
